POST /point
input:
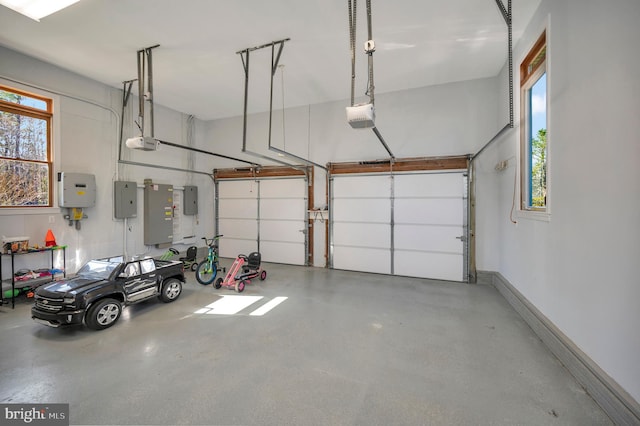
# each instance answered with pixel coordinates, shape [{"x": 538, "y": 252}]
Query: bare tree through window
[{"x": 25, "y": 149}]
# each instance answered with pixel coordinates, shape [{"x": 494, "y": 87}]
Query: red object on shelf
[{"x": 50, "y": 240}]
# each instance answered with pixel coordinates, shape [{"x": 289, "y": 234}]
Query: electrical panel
[
  {"x": 76, "y": 190},
  {"x": 158, "y": 213},
  {"x": 125, "y": 199},
  {"x": 190, "y": 200}
]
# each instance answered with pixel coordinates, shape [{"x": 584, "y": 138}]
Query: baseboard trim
[{"x": 615, "y": 401}]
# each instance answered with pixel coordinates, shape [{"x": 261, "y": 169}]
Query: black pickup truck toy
[{"x": 100, "y": 289}]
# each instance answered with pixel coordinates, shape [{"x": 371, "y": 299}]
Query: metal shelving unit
[{"x": 34, "y": 281}]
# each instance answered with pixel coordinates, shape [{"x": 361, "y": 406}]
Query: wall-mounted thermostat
[{"x": 76, "y": 189}]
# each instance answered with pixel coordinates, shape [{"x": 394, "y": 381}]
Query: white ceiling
[{"x": 196, "y": 69}]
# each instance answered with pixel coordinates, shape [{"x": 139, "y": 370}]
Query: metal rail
[
  {"x": 202, "y": 151},
  {"x": 275, "y": 59},
  {"x": 369, "y": 49}
]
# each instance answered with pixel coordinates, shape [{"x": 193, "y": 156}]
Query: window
[
  {"x": 25, "y": 149},
  {"x": 534, "y": 149},
  {"x": 148, "y": 265},
  {"x": 132, "y": 269}
]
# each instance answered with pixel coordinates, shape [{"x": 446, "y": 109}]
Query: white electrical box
[{"x": 76, "y": 189}]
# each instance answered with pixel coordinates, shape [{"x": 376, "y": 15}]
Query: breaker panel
[
  {"x": 125, "y": 202},
  {"x": 190, "y": 200},
  {"x": 158, "y": 213}
]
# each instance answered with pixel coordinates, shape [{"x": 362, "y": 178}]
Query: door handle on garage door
[{"x": 462, "y": 238}]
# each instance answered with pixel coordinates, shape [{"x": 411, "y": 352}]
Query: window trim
[
  {"x": 530, "y": 72},
  {"x": 55, "y": 149},
  {"x": 46, "y": 99},
  {"x": 529, "y": 60}
]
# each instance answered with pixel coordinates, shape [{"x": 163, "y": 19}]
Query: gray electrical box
[
  {"x": 158, "y": 213},
  {"x": 190, "y": 200},
  {"x": 125, "y": 199},
  {"x": 76, "y": 190}
]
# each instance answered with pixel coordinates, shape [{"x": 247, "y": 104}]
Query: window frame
[
  {"x": 53, "y": 149},
  {"x": 132, "y": 269},
  {"x": 147, "y": 266},
  {"x": 532, "y": 68}
]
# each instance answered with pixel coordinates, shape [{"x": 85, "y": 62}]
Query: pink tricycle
[{"x": 244, "y": 269}]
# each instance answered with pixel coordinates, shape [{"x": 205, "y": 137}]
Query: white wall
[
  {"x": 86, "y": 133},
  {"x": 578, "y": 268},
  {"x": 451, "y": 119}
]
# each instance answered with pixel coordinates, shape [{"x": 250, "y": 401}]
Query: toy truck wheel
[
  {"x": 206, "y": 272},
  {"x": 263, "y": 275},
  {"x": 218, "y": 283},
  {"x": 240, "y": 286},
  {"x": 103, "y": 314},
  {"x": 171, "y": 289},
  {"x": 194, "y": 266}
]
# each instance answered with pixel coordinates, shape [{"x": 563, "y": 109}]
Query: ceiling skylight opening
[{"x": 37, "y": 9}]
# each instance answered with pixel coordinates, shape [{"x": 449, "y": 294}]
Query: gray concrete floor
[{"x": 345, "y": 348}]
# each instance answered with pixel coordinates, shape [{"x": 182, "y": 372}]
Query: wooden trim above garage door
[
  {"x": 401, "y": 165},
  {"x": 257, "y": 172}
]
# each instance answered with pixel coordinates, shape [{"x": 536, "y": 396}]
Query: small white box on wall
[{"x": 76, "y": 189}]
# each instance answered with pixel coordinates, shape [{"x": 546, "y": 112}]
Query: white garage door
[
  {"x": 283, "y": 209},
  {"x": 238, "y": 217},
  {"x": 429, "y": 219},
  {"x": 267, "y": 215},
  {"x": 406, "y": 224},
  {"x": 361, "y": 212}
]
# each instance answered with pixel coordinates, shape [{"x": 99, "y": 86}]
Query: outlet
[
  {"x": 501, "y": 165},
  {"x": 52, "y": 219}
]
